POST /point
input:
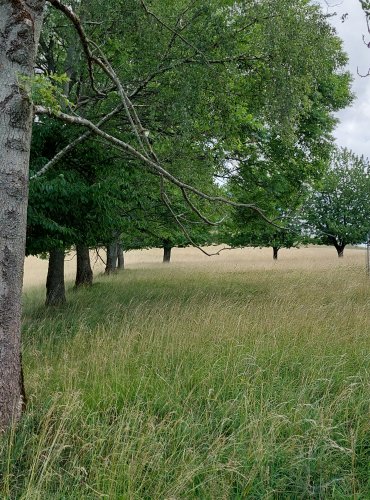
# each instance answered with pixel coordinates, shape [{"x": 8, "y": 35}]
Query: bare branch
[
  {"x": 107, "y": 68},
  {"x": 63, "y": 152},
  {"x": 174, "y": 31},
  {"x": 198, "y": 212},
  {"x": 127, "y": 104},
  {"x": 81, "y": 33},
  {"x": 167, "y": 202},
  {"x": 154, "y": 167}
]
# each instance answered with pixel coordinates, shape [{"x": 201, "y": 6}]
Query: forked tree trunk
[
  {"x": 55, "y": 288},
  {"x": 120, "y": 257},
  {"x": 167, "y": 247},
  {"x": 111, "y": 265},
  {"x": 275, "y": 251},
  {"x": 20, "y": 25},
  {"x": 84, "y": 273}
]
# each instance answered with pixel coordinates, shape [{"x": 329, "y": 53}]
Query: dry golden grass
[
  {"x": 227, "y": 378},
  {"x": 305, "y": 258}
]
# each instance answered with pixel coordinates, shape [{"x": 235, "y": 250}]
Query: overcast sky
[{"x": 353, "y": 131}]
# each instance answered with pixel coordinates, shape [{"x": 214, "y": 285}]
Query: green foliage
[
  {"x": 254, "y": 81},
  {"x": 337, "y": 212},
  {"x": 47, "y": 90}
]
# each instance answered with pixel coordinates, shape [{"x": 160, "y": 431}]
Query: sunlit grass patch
[{"x": 209, "y": 384}]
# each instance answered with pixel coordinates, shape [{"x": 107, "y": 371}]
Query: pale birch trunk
[{"x": 20, "y": 25}]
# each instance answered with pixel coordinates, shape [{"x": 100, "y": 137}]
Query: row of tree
[
  {"x": 332, "y": 211},
  {"x": 335, "y": 212},
  {"x": 215, "y": 102},
  {"x": 137, "y": 109}
]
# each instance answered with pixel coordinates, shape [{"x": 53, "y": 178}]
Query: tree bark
[
  {"x": 55, "y": 288},
  {"x": 84, "y": 273},
  {"x": 340, "y": 251},
  {"x": 167, "y": 247},
  {"x": 121, "y": 257},
  {"x": 339, "y": 248},
  {"x": 112, "y": 256},
  {"x": 275, "y": 251},
  {"x": 20, "y": 25}
]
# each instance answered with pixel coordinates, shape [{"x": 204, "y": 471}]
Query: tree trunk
[
  {"x": 84, "y": 273},
  {"x": 275, "y": 251},
  {"x": 55, "y": 289},
  {"x": 111, "y": 265},
  {"x": 167, "y": 247},
  {"x": 121, "y": 257},
  {"x": 339, "y": 248},
  {"x": 20, "y": 25}
]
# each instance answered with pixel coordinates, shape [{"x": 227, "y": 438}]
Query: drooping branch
[
  {"x": 153, "y": 166},
  {"x": 147, "y": 156},
  {"x": 81, "y": 33},
  {"x": 197, "y": 211},
  {"x": 167, "y": 203}
]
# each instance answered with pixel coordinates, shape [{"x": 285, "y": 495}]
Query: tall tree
[
  {"x": 20, "y": 25},
  {"x": 338, "y": 211}
]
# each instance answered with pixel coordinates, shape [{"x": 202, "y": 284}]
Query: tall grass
[{"x": 170, "y": 384}]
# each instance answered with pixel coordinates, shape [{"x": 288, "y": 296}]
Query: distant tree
[
  {"x": 338, "y": 212},
  {"x": 250, "y": 231}
]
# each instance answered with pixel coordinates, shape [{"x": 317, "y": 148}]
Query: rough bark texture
[
  {"x": 84, "y": 274},
  {"x": 120, "y": 257},
  {"x": 20, "y": 25},
  {"x": 167, "y": 247},
  {"x": 55, "y": 288},
  {"x": 111, "y": 265},
  {"x": 275, "y": 251}
]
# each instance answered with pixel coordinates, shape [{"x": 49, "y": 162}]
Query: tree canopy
[
  {"x": 138, "y": 102},
  {"x": 337, "y": 212}
]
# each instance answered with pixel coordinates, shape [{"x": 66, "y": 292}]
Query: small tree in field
[{"x": 338, "y": 212}]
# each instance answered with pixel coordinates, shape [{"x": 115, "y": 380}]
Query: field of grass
[{"x": 228, "y": 378}]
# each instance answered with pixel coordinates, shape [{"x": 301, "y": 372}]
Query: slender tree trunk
[
  {"x": 111, "y": 265},
  {"x": 275, "y": 251},
  {"x": 120, "y": 256},
  {"x": 55, "y": 288},
  {"x": 167, "y": 247},
  {"x": 84, "y": 273},
  {"x": 20, "y": 24}
]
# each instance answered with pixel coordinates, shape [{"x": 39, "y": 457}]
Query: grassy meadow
[{"x": 228, "y": 377}]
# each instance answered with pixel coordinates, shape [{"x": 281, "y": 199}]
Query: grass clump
[{"x": 220, "y": 385}]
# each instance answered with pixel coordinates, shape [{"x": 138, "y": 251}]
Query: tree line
[{"x": 145, "y": 124}]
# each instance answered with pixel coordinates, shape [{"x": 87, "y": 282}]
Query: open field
[
  {"x": 226, "y": 378},
  {"x": 229, "y": 260}
]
